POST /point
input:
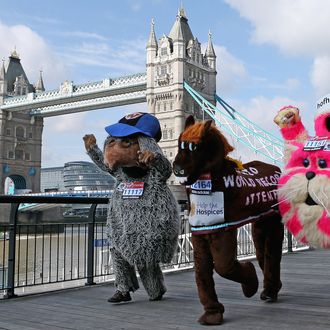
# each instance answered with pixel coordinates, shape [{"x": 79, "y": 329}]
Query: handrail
[
  {"x": 87, "y": 257},
  {"x": 16, "y": 200},
  {"x": 52, "y": 199}
]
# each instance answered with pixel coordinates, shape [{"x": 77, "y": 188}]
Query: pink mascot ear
[
  {"x": 322, "y": 125},
  {"x": 322, "y": 117}
]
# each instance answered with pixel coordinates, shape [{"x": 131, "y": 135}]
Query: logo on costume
[
  {"x": 133, "y": 115},
  {"x": 132, "y": 189},
  {"x": 317, "y": 144}
]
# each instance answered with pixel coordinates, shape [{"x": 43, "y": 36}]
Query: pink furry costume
[{"x": 304, "y": 187}]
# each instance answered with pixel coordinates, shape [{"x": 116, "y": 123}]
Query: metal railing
[{"x": 50, "y": 253}]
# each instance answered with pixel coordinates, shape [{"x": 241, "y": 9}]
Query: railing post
[
  {"x": 90, "y": 245},
  {"x": 10, "y": 290},
  {"x": 289, "y": 242}
]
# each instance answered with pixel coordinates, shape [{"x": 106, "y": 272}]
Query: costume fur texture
[
  {"x": 304, "y": 187},
  {"x": 248, "y": 192},
  {"x": 142, "y": 231}
]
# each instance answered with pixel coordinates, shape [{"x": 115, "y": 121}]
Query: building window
[
  {"x": 165, "y": 134},
  {"x": 19, "y": 154},
  {"x": 20, "y": 132},
  {"x": 164, "y": 106},
  {"x": 30, "y": 135},
  {"x": 27, "y": 156},
  {"x": 171, "y": 105},
  {"x": 8, "y": 132},
  {"x": 163, "y": 70},
  {"x": 197, "y": 58},
  {"x": 10, "y": 154},
  {"x": 163, "y": 51},
  {"x": 158, "y": 107}
]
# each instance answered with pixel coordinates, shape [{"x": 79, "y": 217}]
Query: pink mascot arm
[
  {"x": 289, "y": 121},
  {"x": 291, "y": 128}
]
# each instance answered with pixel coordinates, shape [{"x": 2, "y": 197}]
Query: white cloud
[
  {"x": 298, "y": 27},
  {"x": 320, "y": 75},
  {"x": 82, "y": 34},
  {"x": 230, "y": 70},
  {"x": 136, "y": 6},
  {"x": 262, "y": 110},
  {"x": 36, "y": 54},
  {"x": 66, "y": 123},
  {"x": 121, "y": 56}
]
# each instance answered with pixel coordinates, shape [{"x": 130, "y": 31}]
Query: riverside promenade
[{"x": 304, "y": 303}]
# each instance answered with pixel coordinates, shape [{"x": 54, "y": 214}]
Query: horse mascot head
[
  {"x": 201, "y": 149},
  {"x": 203, "y": 157}
]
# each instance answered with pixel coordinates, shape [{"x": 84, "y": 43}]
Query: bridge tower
[
  {"x": 20, "y": 134},
  {"x": 171, "y": 61}
]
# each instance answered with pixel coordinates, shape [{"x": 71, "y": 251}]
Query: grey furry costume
[{"x": 143, "y": 232}]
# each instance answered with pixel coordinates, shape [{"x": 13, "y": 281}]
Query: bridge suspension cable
[{"x": 241, "y": 128}]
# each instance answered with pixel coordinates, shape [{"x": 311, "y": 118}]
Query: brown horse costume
[{"x": 223, "y": 195}]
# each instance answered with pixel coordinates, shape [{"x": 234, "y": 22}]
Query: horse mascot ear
[{"x": 189, "y": 121}]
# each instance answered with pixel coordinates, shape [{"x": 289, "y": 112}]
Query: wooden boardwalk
[{"x": 304, "y": 303}]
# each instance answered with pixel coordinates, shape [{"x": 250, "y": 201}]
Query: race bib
[
  {"x": 132, "y": 189},
  {"x": 313, "y": 145},
  {"x": 203, "y": 186},
  {"x": 207, "y": 210}
]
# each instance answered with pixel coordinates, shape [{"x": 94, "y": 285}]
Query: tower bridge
[
  {"x": 175, "y": 63},
  {"x": 70, "y": 98}
]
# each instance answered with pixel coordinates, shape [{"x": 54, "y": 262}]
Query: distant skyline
[{"x": 269, "y": 54}]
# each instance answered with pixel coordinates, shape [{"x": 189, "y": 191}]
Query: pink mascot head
[{"x": 304, "y": 187}]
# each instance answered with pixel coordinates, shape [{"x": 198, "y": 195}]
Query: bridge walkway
[{"x": 304, "y": 303}]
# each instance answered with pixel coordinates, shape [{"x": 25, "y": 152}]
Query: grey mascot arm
[{"x": 160, "y": 165}]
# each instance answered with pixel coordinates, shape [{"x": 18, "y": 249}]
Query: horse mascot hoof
[
  {"x": 224, "y": 194},
  {"x": 209, "y": 318}
]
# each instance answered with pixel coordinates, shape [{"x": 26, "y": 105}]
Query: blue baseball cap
[{"x": 137, "y": 122}]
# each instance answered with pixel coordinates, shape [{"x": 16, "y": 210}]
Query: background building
[
  {"x": 173, "y": 59},
  {"x": 76, "y": 175},
  {"x": 52, "y": 179},
  {"x": 20, "y": 136}
]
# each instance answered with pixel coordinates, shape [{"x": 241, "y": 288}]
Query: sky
[{"x": 270, "y": 53}]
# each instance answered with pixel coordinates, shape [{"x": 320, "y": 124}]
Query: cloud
[
  {"x": 296, "y": 27},
  {"x": 66, "y": 123},
  {"x": 135, "y": 6},
  {"x": 261, "y": 111},
  {"x": 231, "y": 70},
  {"x": 122, "y": 57},
  {"x": 320, "y": 75},
  {"x": 36, "y": 54},
  {"x": 82, "y": 34}
]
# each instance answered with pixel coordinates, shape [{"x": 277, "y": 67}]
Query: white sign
[
  {"x": 315, "y": 145},
  {"x": 206, "y": 210}
]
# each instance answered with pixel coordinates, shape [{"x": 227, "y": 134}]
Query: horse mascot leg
[{"x": 224, "y": 194}]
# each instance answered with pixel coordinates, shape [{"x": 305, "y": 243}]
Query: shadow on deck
[{"x": 304, "y": 303}]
